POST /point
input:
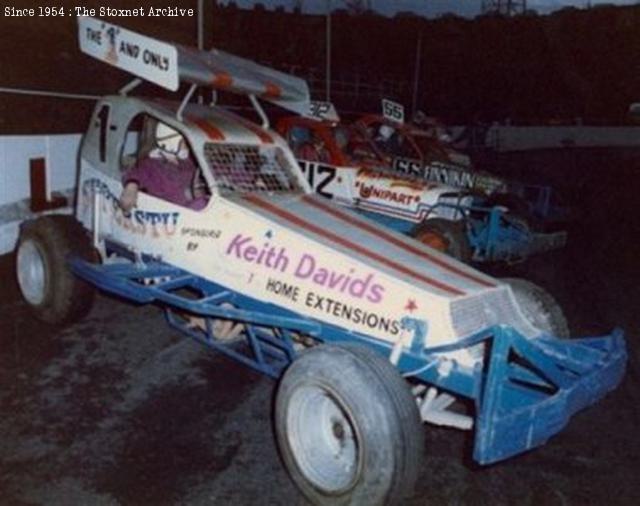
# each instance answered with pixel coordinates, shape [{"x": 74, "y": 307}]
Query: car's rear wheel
[
  {"x": 348, "y": 427},
  {"x": 53, "y": 294},
  {"x": 446, "y": 236}
]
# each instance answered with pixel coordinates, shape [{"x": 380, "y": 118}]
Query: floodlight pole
[
  {"x": 416, "y": 77},
  {"x": 200, "y": 37},
  {"x": 200, "y": 25},
  {"x": 328, "y": 69}
]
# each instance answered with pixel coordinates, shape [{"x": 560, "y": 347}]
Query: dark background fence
[{"x": 531, "y": 69}]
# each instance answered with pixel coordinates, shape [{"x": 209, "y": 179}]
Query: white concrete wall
[
  {"x": 59, "y": 151},
  {"x": 521, "y": 138},
  {"x": 61, "y": 155}
]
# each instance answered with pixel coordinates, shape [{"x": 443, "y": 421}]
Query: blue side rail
[{"x": 524, "y": 392}]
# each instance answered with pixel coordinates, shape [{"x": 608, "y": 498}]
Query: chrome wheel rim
[
  {"x": 323, "y": 439},
  {"x": 30, "y": 266}
]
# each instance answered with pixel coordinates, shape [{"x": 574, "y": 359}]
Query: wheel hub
[
  {"x": 323, "y": 439},
  {"x": 30, "y": 267}
]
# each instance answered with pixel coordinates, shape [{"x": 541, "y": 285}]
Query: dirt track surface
[{"x": 119, "y": 409}]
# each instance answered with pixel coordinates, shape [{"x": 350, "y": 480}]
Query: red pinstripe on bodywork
[
  {"x": 380, "y": 232},
  {"x": 222, "y": 80},
  {"x": 261, "y": 133},
  {"x": 296, "y": 220},
  {"x": 212, "y": 132},
  {"x": 272, "y": 90}
]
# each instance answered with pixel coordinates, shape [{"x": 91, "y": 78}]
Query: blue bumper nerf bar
[
  {"x": 533, "y": 387},
  {"x": 525, "y": 391}
]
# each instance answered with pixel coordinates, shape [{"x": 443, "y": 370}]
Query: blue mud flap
[{"x": 533, "y": 387}]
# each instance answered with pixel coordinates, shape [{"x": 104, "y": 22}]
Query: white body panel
[
  {"x": 378, "y": 191},
  {"x": 233, "y": 244}
]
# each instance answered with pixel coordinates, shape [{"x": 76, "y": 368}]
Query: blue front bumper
[{"x": 533, "y": 387}]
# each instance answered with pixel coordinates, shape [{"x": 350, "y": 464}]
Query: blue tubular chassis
[
  {"x": 524, "y": 392},
  {"x": 495, "y": 235}
]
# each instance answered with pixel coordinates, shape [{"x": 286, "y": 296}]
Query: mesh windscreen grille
[
  {"x": 249, "y": 168},
  {"x": 472, "y": 314}
]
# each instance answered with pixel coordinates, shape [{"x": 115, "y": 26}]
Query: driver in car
[{"x": 168, "y": 172}]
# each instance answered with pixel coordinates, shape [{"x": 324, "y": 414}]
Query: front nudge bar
[{"x": 532, "y": 387}]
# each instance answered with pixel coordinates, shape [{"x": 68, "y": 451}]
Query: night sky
[{"x": 430, "y": 7}]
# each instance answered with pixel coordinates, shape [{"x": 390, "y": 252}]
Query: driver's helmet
[
  {"x": 299, "y": 135},
  {"x": 385, "y": 132},
  {"x": 168, "y": 139}
]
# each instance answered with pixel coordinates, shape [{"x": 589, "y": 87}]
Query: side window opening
[
  {"x": 131, "y": 149},
  {"x": 102, "y": 121},
  {"x": 308, "y": 144},
  {"x": 320, "y": 149},
  {"x": 298, "y": 137},
  {"x": 159, "y": 159}
]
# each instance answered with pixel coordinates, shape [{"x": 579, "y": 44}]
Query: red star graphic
[{"x": 411, "y": 305}]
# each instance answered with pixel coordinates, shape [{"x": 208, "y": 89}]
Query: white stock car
[{"x": 267, "y": 265}]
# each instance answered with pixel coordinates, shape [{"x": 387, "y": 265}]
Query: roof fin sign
[
  {"x": 168, "y": 64},
  {"x": 142, "y": 56},
  {"x": 225, "y": 71}
]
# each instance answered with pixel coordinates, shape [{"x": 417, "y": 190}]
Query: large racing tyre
[
  {"x": 539, "y": 307},
  {"x": 447, "y": 236},
  {"x": 348, "y": 427},
  {"x": 51, "y": 291}
]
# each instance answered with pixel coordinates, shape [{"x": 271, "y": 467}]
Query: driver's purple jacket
[{"x": 167, "y": 181}]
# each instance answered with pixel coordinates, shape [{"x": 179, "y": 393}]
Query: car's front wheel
[
  {"x": 53, "y": 294},
  {"x": 348, "y": 427}
]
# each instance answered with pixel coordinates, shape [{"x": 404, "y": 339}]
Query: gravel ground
[{"x": 118, "y": 409}]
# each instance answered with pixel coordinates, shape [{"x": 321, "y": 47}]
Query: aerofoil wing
[
  {"x": 168, "y": 64},
  {"x": 223, "y": 70}
]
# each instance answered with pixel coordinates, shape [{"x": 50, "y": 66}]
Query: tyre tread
[
  {"x": 548, "y": 302},
  {"x": 376, "y": 371},
  {"x": 61, "y": 235},
  {"x": 453, "y": 232}
]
